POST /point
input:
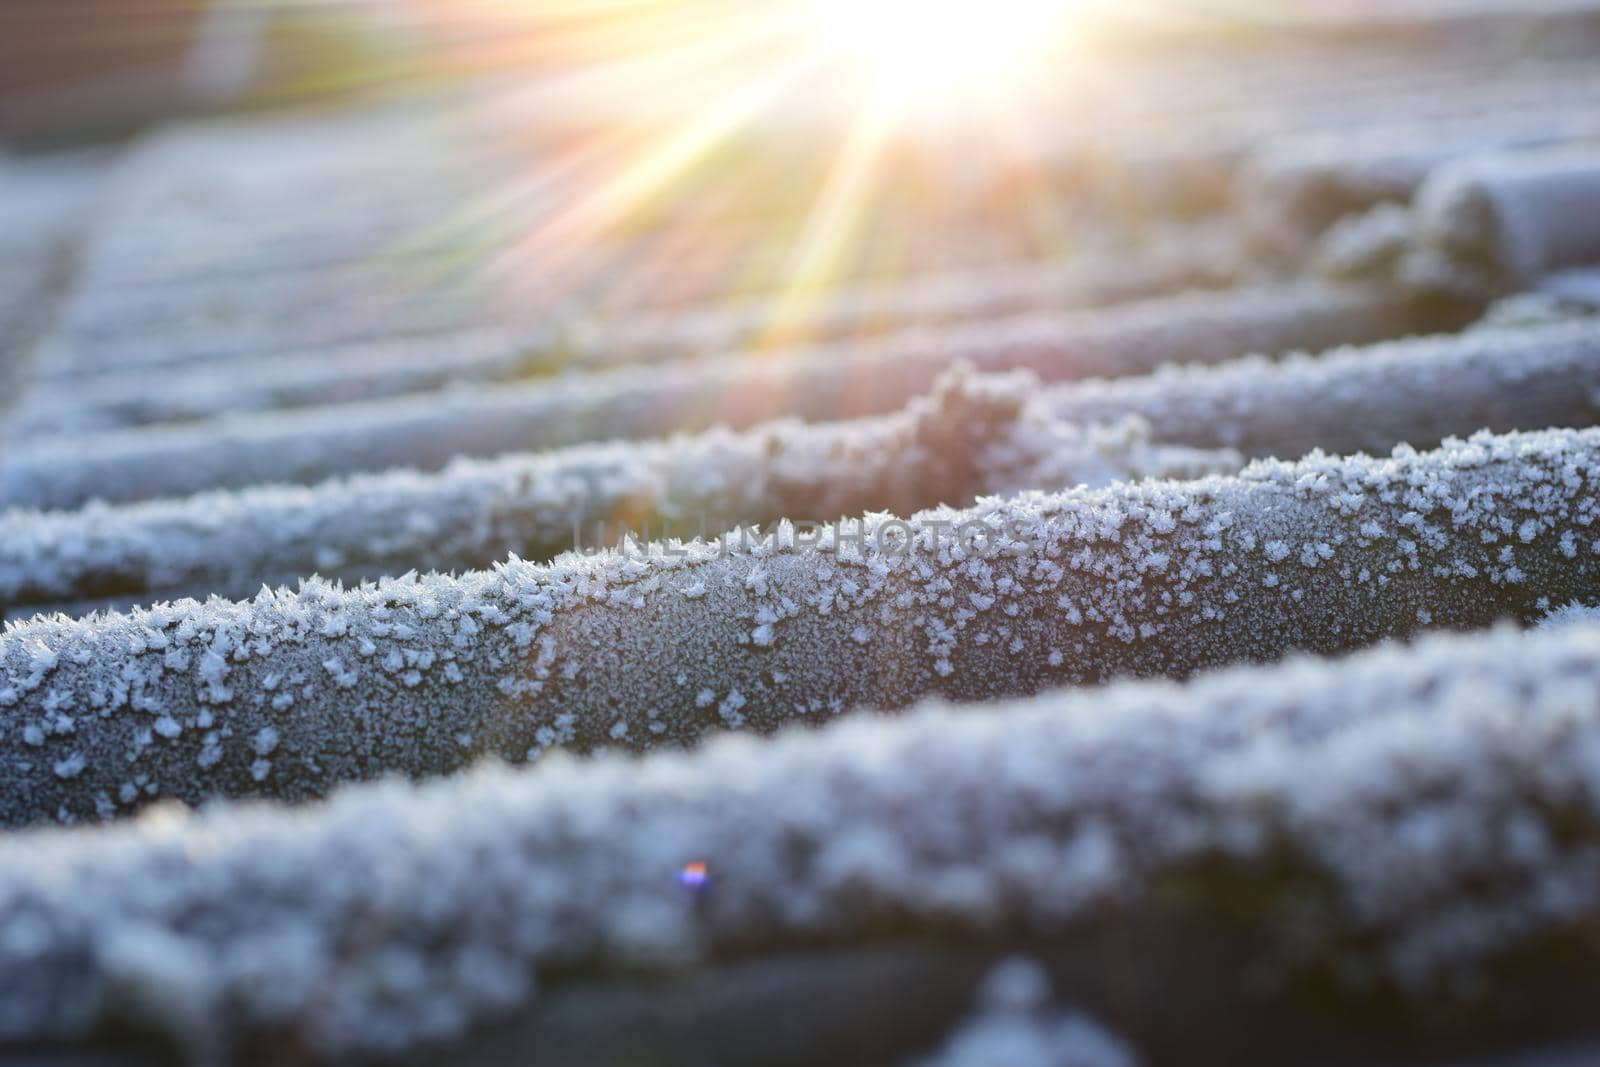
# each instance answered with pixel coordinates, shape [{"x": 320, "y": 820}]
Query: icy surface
[
  {"x": 1440, "y": 795},
  {"x": 1296, "y": 186},
  {"x": 180, "y": 389},
  {"x": 1516, "y": 217},
  {"x": 636, "y": 649},
  {"x": 1492, "y": 224},
  {"x": 125, "y": 397},
  {"x": 44, "y": 208},
  {"x": 1417, "y": 391},
  {"x": 974, "y": 436},
  {"x": 824, "y": 382}
]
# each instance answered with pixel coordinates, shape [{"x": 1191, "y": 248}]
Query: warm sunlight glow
[{"x": 920, "y": 49}]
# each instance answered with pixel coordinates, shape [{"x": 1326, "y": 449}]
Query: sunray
[
  {"x": 564, "y": 237},
  {"x": 835, "y": 217}
]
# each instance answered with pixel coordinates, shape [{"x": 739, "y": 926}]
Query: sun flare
[{"x": 919, "y": 50}]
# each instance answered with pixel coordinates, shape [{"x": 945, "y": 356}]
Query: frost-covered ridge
[
  {"x": 291, "y": 692},
  {"x": 1417, "y": 390},
  {"x": 950, "y": 448},
  {"x": 1295, "y": 186},
  {"x": 973, "y": 436},
  {"x": 82, "y": 397},
  {"x": 837, "y": 381},
  {"x": 1440, "y": 795}
]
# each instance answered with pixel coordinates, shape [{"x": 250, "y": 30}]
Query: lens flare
[{"x": 695, "y": 875}]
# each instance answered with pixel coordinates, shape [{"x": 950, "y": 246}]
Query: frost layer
[
  {"x": 951, "y": 448},
  {"x": 292, "y": 692},
  {"x": 1418, "y": 390},
  {"x": 1296, "y": 186},
  {"x": 839, "y": 382},
  {"x": 974, "y": 436},
  {"x": 393, "y": 366},
  {"x": 1404, "y": 816},
  {"x": 1514, "y": 218}
]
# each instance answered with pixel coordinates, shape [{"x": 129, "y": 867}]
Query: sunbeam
[
  {"x": 942, "y": 53},
  {"x": 834, "y": 219}
]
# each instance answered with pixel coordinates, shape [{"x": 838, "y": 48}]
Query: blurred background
[{"x": 209, "y": 210}]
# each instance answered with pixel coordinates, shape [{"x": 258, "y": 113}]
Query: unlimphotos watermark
[{"x": 866, "y": 537}]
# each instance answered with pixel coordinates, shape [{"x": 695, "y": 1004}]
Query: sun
[{"x": 943, "y": 50}]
